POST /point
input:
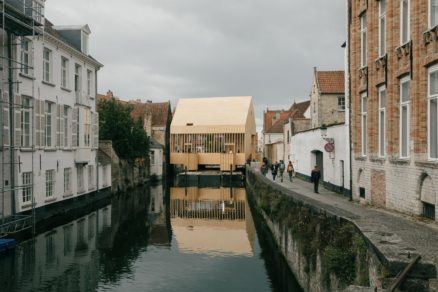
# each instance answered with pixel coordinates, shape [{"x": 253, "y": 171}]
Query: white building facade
[{"x": 56, "y": 122}]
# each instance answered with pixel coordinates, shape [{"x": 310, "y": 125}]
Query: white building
[
  {"x": 325, "y": 142},
  {"x": 156, "y": 158},
  {"x": 55, "y": 124}
]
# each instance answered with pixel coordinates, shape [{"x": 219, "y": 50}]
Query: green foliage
[{"x": 129, "y": 139}]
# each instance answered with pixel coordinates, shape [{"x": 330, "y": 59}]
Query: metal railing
[
  {"x": 30, "y": 8},
  {"x": 15, "y": 224}
]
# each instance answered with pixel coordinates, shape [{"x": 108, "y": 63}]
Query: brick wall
[{"x": 396, "y": 182}]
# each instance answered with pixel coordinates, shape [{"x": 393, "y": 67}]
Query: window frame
[
  {"x": 26, "y": 134},
  {"x": 47, "y": 65},
  {"x": 25, "y": 52},
  {"x": 50, "y": 183},
  {"x": 65, "y": 64},
  {"x": 382, "y": 18},
  {"x": 363, "y": 40},
  {"x": 80, "y": 178},
  {"x": 341, "y": 105},
  {"x": 429, "y": 22},
  {"x": 65, "y": 116},
  {"x": 402, "y": 23},
  {"x": 89, "y": 82},
  {"x": 27, "y": 187},
  {"x": 67, "y": 181},
  {"x": 48, "y": 127},
  {"x": 364, "y": 124},
  {"x": 431, "y": 97},
  {"x": 403, "y": 104},
  {"x": 382, "y": 111}
]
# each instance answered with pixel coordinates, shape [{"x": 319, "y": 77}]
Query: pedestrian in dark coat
[
  {"x": 314, "y": 177},
  {"x": 274, "y": 169}
]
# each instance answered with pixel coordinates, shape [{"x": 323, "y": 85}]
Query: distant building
[
  {"x": 297, "y": 120},
  {"x": 394, "y": 81},
  {"x": 218, "y": 132},
  {"x": 323, "y": 139},
  {"x": 49, "y": 122},
  {"x": 156, "y": 158},
  {"x": 273, "y": 121}
]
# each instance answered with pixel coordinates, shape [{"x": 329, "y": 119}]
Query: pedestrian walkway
[{"x": 394, "y": 234}]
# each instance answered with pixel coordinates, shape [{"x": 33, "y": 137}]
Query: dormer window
[{"x": 84, "y": 43}]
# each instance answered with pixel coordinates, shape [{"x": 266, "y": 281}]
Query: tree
[{"x": 130, "y": 141}]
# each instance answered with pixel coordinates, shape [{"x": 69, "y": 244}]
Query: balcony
[{"x": 21, "y": 16}]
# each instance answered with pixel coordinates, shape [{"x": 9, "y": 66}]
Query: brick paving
[{"x": 393, "y": 234}]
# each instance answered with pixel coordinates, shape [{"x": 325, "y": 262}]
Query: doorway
[{"x": 318, "y": 159}]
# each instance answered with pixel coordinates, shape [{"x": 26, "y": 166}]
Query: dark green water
[{"x": 190, "y": 240}]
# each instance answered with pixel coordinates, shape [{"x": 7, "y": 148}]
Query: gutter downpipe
[{"x": 349, "y": 98}]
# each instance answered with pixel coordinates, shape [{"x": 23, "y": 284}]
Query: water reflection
[
  {"x": 212, "y": 221},
  {"x": 179, "y": 239}
]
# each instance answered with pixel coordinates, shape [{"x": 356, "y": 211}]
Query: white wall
[
  {"x": 302, "y": 145},
  {"x": 157, "y": 165},
  {"x": 59, "y": 157}
]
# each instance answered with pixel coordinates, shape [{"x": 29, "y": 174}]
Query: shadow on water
[{"x": 282, "y": 278}]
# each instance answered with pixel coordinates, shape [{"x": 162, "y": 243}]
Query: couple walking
[{"x": 280, "y": 168}]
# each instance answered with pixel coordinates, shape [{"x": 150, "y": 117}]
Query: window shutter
[
  {"x": 95, "y": 130},
  {"x": 42, "y": 123},
  {"x": 5, "y": 97},
  {"x": 17, "y": 110},
  {"x": 61, "y": 130},
  {"x": 37, "y": 124},
  {"x": 58, "y": 125},
  {"x": 74, "y": 129}
]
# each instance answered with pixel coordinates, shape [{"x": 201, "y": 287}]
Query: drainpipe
[
  {"x": 97, "y": 150},
  {"x": 11, "y": 121},
  {"x": 349, "y": 98}
]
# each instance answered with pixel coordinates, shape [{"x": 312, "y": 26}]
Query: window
[
  {"x": 363, "y": 40},
  {"x": 89, "y": 82},
  {"x": 382, "y": 122},
  {"x": 66, "y": 126},
  {"x": 87, "y": 127},
  {"x": 67, "y": 181},
  {"x": 404, "y": 116},
  {"x": 105, "y": 175},
  {"x": 78, "y": 74},
  {"x": 90, "y": 177},
  {"x": 382, "y": 28},
  {"x": 48, "y": 113},
  {"x": 50, "y": 182},
  {"x": 47, "y": 66},
  {"x": 433, "y": 112},
  {"x": 64, "y": 72},
  {"x": 364, "y": 123},
  {"x": 27, "y": 187},
  {"x": 26, "y": 118},
  {"x": 404, "y": 21},
  {"x": 84, "y": 43},
  {"x": 80, "y": 174},
  {"x": 433, "y": 13},
  {"x": 152, "y": 157},
  {"x": 341, "y": 103},
  {"x": 25, "y": 56}
]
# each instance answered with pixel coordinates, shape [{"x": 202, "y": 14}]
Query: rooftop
[{"x": 330, "y": 82}]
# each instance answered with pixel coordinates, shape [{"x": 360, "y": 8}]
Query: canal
[{"x": 154, "y": 239}]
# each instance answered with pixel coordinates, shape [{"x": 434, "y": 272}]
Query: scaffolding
[{"x": 22, "y": 21}]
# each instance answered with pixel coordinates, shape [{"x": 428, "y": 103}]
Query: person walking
[
  {"x": 314, "y": 177},
  {"x": 290, "y": 170},
  {"x": 274, "y": 169},
  {"x": 281, "y": 168}
]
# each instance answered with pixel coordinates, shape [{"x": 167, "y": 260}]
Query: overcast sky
[{"x": 167, "y": 49}]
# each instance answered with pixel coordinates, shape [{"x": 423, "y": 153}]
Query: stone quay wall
[{"x": 324, "y": 249}]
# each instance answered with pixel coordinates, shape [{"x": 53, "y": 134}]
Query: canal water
[{"x": 155, "y": 239}]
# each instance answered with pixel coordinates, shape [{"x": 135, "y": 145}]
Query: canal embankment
[{"x": 332, "y": 244}]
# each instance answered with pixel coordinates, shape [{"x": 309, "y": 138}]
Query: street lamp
[{"x": 323, "y": 129}]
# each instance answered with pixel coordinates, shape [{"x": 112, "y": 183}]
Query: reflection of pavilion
[{"x": 212, "y": 221}]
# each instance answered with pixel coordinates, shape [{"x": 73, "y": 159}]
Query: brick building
[{"x": 393, "y": 60}]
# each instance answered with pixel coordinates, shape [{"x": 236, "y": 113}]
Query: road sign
[{"x": 329, "y": 147}]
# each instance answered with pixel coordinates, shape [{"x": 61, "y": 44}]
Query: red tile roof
[
  {"x": 297, "y": 110},
  {"x": 330, "y": 82},
  {"x": 268, "y": 120}
]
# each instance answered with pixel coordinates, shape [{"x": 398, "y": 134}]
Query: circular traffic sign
[{"x": 329, "y": 147}]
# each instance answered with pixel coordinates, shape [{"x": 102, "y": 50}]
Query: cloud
[{"x": 167, "y": 49}]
